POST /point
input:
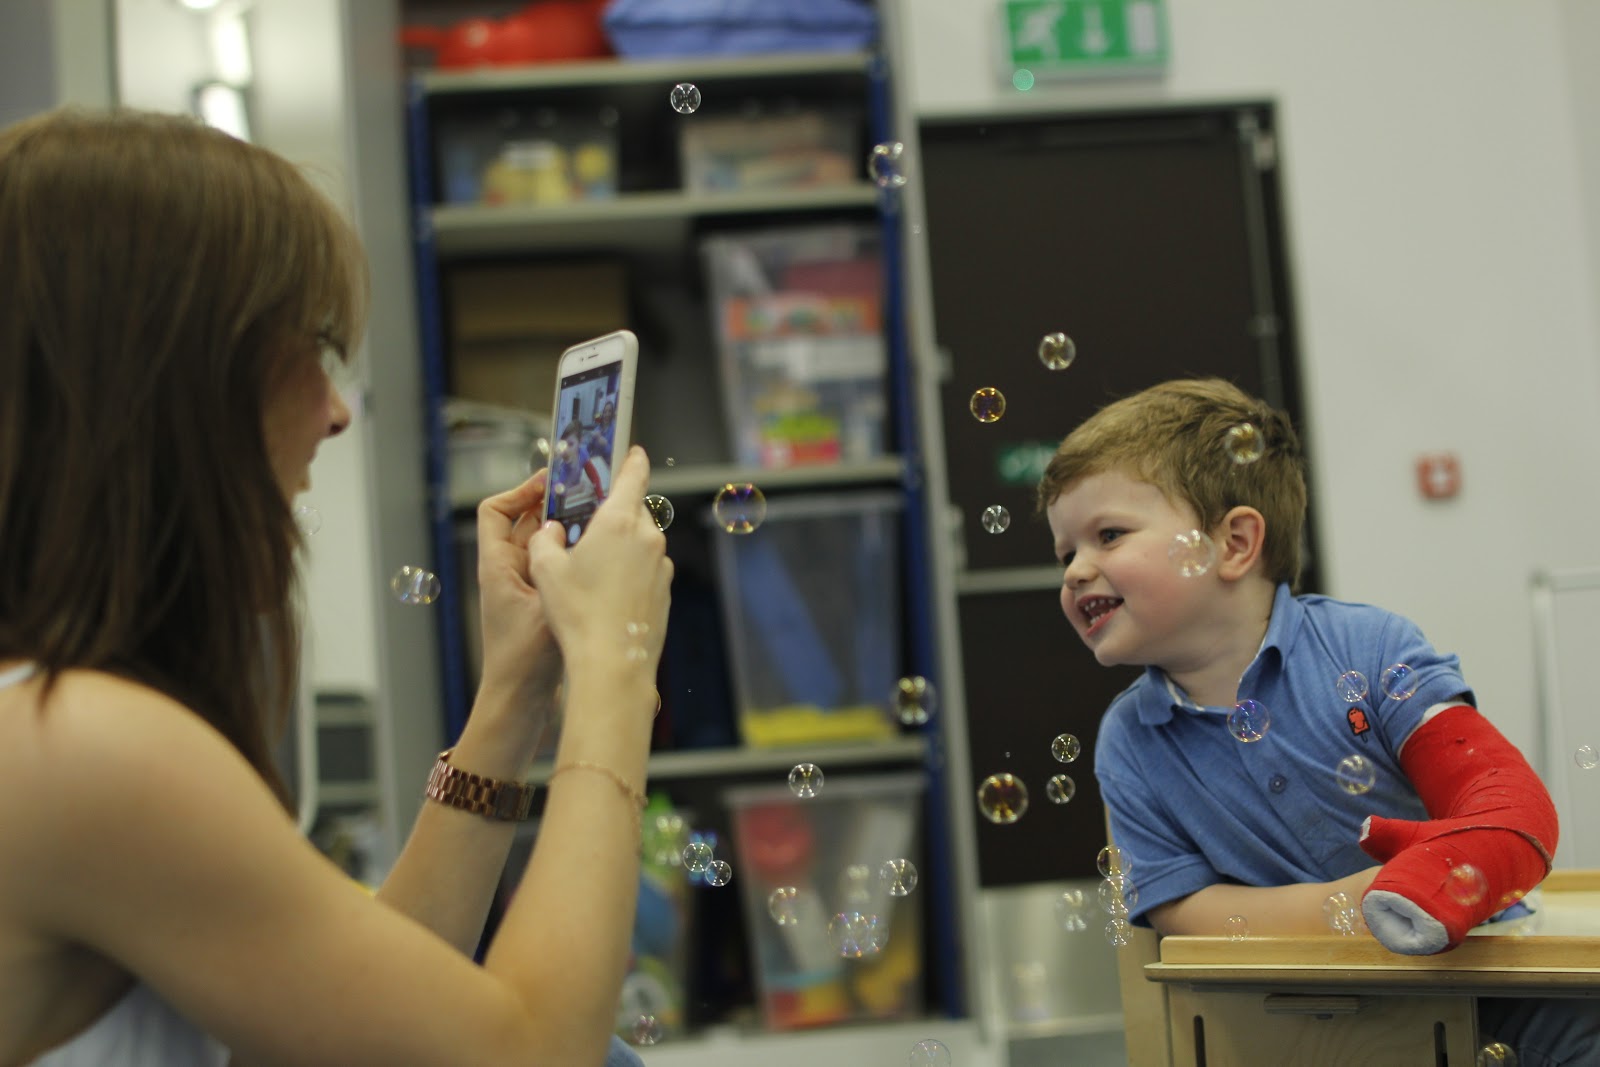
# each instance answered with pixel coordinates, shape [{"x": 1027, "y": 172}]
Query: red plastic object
[
  {"x": 776, "y": 842},
  {"x": 543, "y": 32}
]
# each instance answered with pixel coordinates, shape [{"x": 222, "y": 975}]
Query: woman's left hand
[{"x": 521, "y": 661}]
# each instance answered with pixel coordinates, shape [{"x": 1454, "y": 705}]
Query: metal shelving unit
[{"x": 665, "y": 219}]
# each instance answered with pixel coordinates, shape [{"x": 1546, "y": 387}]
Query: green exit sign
[{"x": 1052, "y": 38}]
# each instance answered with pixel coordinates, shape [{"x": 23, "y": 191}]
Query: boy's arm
[
  {"x": 1491, "y": 839},
  {"x": 1268, "y": 911}
]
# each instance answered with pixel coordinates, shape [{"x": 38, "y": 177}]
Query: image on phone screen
[{"x": 581, "y": 457}]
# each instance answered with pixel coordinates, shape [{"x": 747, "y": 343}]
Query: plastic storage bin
[
  {"x": 811, "y": 607},
  {"x": 847, "y": 948},
  {"x": 805, "y": 149},
  {"x": 799, "y": 325}
]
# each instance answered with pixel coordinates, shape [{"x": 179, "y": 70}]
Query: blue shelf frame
[
  {"x": 922, "y": 643},
  {"x": 430, "y": 316}
]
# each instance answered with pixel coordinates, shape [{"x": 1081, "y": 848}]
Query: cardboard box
[{"x": 509, "y": 324}]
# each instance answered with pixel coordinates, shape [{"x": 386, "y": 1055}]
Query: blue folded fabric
[{"x": 664, "y": 28}]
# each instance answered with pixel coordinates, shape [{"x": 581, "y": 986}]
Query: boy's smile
[{"x": 1124, "y": 597}]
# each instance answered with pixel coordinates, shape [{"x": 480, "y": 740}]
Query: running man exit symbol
[{"x": 1075, "y": 37}]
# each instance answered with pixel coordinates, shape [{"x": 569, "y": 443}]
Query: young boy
[{"x": 1226, "y": 808}]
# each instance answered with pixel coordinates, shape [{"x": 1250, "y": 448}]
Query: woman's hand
[
  {"x": 606, "y": 598},
  {"x": 521, "y": 661}
]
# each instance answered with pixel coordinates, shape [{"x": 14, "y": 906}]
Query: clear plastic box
[
  {"x": 849, "y": 947},
  {"x": 799, "y": 325},
  {"x": 811, "y": 605}
]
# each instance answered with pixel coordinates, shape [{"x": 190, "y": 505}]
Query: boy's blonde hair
[{"x": 1176, "y": 436}]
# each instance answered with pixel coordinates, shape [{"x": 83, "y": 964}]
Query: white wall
[{"x": 1438, "y": 230}]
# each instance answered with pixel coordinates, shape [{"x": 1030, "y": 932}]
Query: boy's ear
[{"x": 1240, "y": 537}]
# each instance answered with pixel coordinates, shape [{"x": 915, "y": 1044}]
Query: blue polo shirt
[{"x": 1191, "y": 806}]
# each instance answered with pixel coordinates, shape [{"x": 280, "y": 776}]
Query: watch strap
[{"x": 494, "y": 797}]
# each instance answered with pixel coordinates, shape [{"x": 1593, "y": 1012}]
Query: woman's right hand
[{"x": 609, "y": 593}]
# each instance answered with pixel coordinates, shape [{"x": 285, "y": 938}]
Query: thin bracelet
[{"x": 622, "y": 783}]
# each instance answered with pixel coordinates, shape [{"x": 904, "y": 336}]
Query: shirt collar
[{"x": 1282, "y": 628}]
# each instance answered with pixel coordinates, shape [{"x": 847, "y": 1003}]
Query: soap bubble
[
  {"x": 996, "y": 519},
  {"x": 855, "y": 934},
  {"x": 987, "y": 404},
  {"x": 1355, "y": 775},
  {"x": 1399, "y": 682},
  {"x": 1352, "y": 686},
  {"x": 719, "y": 873},
  {"x": 539, "y": 456},
  {"x": 1466, "y": 885},
  {"x": 684, "y": 98},
  {"x": 1065, "y": 748},
  {"x": 415, "y": 585},
  {"x": 1237, "y": 927},
  {"x": 930, "y": 1053},
  {"x": 1340, "y": 914},
  {"x": 898, "y": 876},
  {"x": 1192, "y": 552},
  {"x": 1118, "y": 932},
  {"x": 308, "y": 519},
  {"x": 1056, "y": 351},
  {"x": 914, "y": 700},
  {"x": 739, "y": 509},
  {"x": 1244, "y": 444},
  {"x": 1060, "y": 789},
  {"x": 783, "y": 905},
  {"x": 1111, "y": 862},
  {"x": 697, "y": 857},
  {"x": 886, "y": 164},
  {"x": 1586, "y": 757},
  {"x": 805, "y": 780},
  {"x": 1496, "y": 1054},
  {"x": 1118, "y": 896},
  {"x": 660, "y": 510},
  {"x": 1069, "y": 911},
  {"x": 1002, "y": 798},
  {"x": 646, "y": 1030},
  {"x": 1249, "y": 720}
]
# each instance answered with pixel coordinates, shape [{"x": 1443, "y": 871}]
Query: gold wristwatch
[{"x": 494, "y": 797}]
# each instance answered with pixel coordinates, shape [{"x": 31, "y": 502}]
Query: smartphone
[{"x": 593, "y": 414}]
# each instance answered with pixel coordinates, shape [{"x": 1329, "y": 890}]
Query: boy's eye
[
  {"x": 1066, "y": 560},
  {"x": 1109, "y": 535}
]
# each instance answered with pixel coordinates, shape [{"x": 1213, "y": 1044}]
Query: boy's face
[{"x": 1122, "y": 594}]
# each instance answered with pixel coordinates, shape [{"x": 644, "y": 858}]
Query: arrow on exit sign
[{"x": 1068, "y": 37}]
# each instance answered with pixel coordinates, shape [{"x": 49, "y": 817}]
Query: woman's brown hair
[{"x": 156, "y": 277}]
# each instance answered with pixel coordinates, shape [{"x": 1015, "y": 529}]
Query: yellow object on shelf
[{"x": 801, "y": 724}]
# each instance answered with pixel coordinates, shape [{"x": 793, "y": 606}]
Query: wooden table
[{"x": 1324, "y": 1001}]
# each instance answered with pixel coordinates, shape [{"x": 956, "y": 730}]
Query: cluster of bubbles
[
  {"x": 1118, "y": 894},
  {"x": 1003, "y": 797},
  {"x": 1343, "y": 916},
  {"x": 856, "y": 930},
  {"x": 699, "y": 857}
]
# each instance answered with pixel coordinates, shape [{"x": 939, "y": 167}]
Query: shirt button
[{"x": 1278, "y": 783}]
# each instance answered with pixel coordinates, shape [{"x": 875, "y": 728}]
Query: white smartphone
[{"x": 593, "y": 416}]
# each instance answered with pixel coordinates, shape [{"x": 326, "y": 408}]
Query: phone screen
[{"x": 582, "y": 453}]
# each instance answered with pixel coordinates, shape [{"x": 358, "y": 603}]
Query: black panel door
[{"x": 1151, "y": 239}]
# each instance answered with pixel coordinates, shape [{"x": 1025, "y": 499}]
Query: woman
[{"x": 170, "y": 294}]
